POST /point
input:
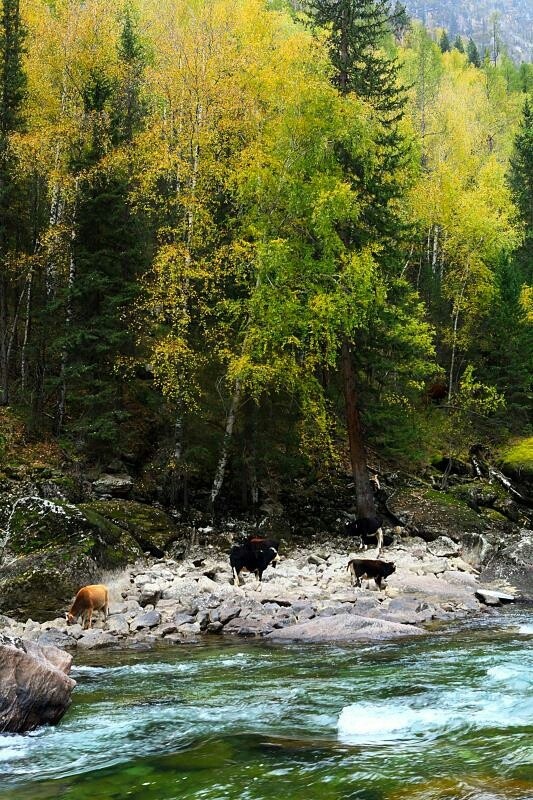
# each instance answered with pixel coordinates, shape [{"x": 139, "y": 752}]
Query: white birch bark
[
  {"x": 228, "y": 432},
  {"x": 68, "y": 319}
]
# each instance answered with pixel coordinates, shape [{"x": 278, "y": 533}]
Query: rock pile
[{"x": 308, "y": 597}]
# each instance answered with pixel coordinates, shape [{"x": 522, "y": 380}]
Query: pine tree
[
  {"x": 444, "y": 42},
  {"x": 521, "y": 174},
  {"x": 399, "y": 21},
  {"x": 12, "y": 93},
  {"x": 357, "y": 29},
  {"x": 108, "y": 252},
  {"x": 458, "y": 44},
  {"x": 473, "y": 53}
]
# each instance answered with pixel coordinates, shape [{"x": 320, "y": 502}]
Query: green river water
[{"x": 448, "y": 716}]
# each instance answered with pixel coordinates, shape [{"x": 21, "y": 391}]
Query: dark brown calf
[{"x": 369, "y": 568}]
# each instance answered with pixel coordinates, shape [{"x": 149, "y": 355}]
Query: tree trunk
[
  {"x": 68, "y": 319},
  {"x": 363, "y": 489},
  {"x": 4, "y": 372},
  {"x": 223, "y": 460}
]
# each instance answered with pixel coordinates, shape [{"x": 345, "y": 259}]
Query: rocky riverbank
[{"x": 308, "y": 597}]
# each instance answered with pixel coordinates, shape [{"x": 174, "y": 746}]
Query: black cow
[
  {"x": 369, "y": 530},
  {"x": 254, "y": 555},
  {"x": 369, "y": 568}
]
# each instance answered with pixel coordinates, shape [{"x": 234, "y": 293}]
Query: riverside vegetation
[{"x": 248, "y": 250}]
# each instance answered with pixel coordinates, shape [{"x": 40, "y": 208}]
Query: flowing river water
[{"x": 443, "y": 717}]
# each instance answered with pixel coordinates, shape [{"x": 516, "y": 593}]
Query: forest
[{"x": 246, "y": 241}]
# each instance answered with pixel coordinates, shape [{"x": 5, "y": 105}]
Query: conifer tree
[
  {"x": 108, "y": 248},
  {"x": 473, "y": 53},
  {"x": 458, "y": 44},
  {"x": 444, "y": 42},
  {"x": 399, "y": 21},
  {"x": 357, "y": 29},
  {"x": 12, "y": 93}
]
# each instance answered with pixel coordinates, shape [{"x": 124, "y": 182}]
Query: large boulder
[
  {"x": 344, "y": 628},
  {"x": 35, "y": 687},
  {"x": 150, "y": 527},
  {"x": 51, "y": 549}
]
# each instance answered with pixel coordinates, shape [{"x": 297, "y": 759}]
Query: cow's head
[{"x": 388, "y": 568}]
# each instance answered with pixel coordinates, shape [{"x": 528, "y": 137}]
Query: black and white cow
[
  {"x": 253, "y": 555},
  {"x": 369, "y": 531}
]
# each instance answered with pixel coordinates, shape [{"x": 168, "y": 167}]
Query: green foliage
[
  {"x": 473, "y": 54},
  {"x": 202, "y": 203},
  {"x": 444, "y": 42}
]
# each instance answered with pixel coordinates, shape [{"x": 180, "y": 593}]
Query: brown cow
[{"x": 89, "y": 599}]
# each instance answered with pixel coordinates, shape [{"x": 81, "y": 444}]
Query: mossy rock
[
  {"x": 152, "y": 528},
  {"x": 479, "y": 493},
  {"x": 41, "y": 585},
  {"x": 517, "y": 460},
  {"x": 53, "y": 549},
  {"x": 433, "y": 513}
]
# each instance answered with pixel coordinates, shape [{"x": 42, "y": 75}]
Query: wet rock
[{"x": 35, "y": 687}]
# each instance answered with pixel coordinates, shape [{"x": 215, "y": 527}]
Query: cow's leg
[
  {"x": 90, "y": 619},
  {"x": 236, "y": 579},
  {"x": 378, "y": 580},
  {"x": 352, "y": 576},
  {"x": 259, "y": 584},
  {"x": 379, "y": 534}
]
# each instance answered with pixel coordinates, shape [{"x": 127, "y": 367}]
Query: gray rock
[
  {"x": 248, "y": 627},
  {"x": 492, "y": 597},
  {"x": 344, "y": 628},
  {"x": 56, "y": 638},
  {"x": 150, "y": 594},
  {"x": 214, "y": 627},
  {"x": 227, "y": 612},
  {"x": 114, "y": 485},
  {"x": 443, "y": 547},
  {"x": 147, "y": 620},
  {"x": 96, "y": 639},
  {"x": 35, "y": 688},
  {"x": 181, "y": 618},
  {"x": 118, "y": 625}
]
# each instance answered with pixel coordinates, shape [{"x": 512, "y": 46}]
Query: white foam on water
[
  {"x": 511, "y": 677},
  {"x": 526, "y": 629},
  {"x": 154, "y": 668},
  {"x": 379, "y": 722},
  {"x": 9, "y": 752}
]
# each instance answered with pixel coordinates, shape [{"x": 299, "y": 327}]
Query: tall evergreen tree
[
  {"x": 399, "y": 21},
  {"x": 357, "y": 29},
  {"x": 108, "y": 250},
  {"x": 444, "y": 42},
  {"x": 12, "y": 93},
  {"x": 458, "y": 44},
  {"x": 473, "y": 53}
]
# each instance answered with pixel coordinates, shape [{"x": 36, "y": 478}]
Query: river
[{"x": 444, "y": 717}]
